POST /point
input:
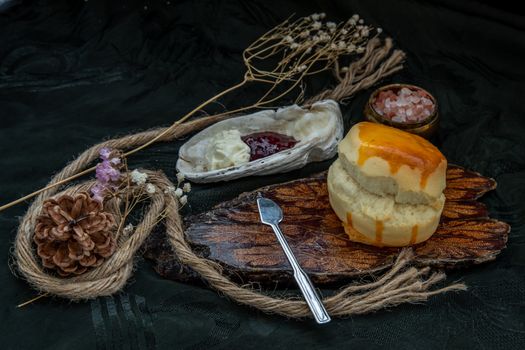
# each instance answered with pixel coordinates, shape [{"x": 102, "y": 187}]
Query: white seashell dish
[{"x": 317, "y": 131}]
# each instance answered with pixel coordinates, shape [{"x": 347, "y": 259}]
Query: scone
[{"x": 387, "y": 186}]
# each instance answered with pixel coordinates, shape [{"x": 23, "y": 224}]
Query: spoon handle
[{"x": 303, "y": 281}]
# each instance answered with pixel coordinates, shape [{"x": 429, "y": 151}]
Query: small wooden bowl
[{"x": 425, "y": 128}]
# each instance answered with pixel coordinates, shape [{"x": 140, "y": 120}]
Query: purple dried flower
[
  {"x": 98, "y": 192},
  {"x": 114, "y": 174},
  {"x": 102, "y": 171},
  {"x": 107, "y": 174},
  {"x": 105, "y": 153}
]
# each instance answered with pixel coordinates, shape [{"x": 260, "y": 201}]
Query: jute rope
[{"x": 401, "y": 284}]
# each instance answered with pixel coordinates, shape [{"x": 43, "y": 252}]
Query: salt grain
[{"x": 405, "y": 105}]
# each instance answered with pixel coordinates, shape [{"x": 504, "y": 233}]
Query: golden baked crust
[{"x": 386, "y": 160}]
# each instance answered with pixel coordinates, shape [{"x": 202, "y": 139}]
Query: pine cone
[{"x": 73, "y": 234}]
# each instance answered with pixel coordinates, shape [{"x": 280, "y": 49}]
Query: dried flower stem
[
  {"x": 127, "y": 210},
  {"x": 40, "y": 296}
]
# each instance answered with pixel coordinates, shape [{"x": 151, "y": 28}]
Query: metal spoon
[{"x": 271, "y": 214}]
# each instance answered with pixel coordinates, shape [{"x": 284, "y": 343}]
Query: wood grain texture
[{"x": 232, "y": 235}]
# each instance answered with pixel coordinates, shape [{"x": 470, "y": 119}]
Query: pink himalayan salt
[{"x": 407, "y": 106}]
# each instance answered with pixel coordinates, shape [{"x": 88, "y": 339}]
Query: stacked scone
[{"x": 387, "y": 186}]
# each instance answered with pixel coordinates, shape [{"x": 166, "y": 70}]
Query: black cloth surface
[{"x": 73, "y": 73}]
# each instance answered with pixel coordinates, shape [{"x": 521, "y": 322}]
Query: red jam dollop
[{"x": 266, "y": 143}]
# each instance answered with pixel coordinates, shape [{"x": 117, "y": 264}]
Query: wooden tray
[{"x": 232, "y": 235}]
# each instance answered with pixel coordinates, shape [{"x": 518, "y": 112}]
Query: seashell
[{"x": 317, "y": 129}]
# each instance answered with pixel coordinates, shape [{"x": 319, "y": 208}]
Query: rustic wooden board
[{"x": 232, "y": 235}]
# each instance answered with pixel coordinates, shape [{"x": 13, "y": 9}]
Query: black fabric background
[{"x": 73, "y": 73}]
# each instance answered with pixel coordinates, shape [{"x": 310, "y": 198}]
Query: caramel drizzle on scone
[
  {"x": 379, "y": 232},
  {"x": 413, "y": 237},
  {"x": 398, "y": 148}
]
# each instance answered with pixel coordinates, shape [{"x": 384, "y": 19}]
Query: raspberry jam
[{"x": 266, "y": 143}]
